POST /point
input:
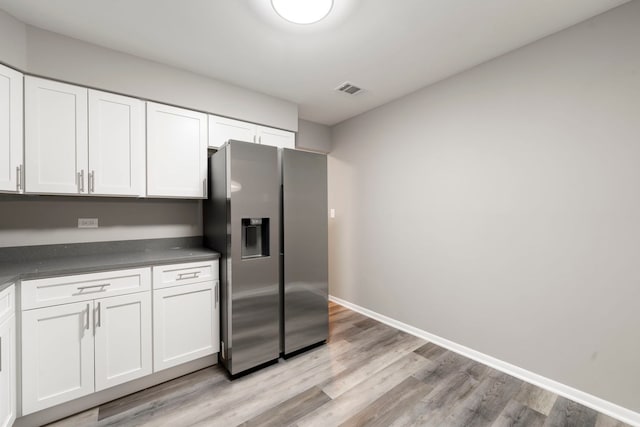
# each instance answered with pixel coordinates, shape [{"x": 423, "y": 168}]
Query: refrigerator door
[
  {"x": 305, "y": 270},
  {"x": 253, "y": 285}
]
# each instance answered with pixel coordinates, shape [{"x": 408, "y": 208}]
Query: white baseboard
[{"x": 611, "y": 409}]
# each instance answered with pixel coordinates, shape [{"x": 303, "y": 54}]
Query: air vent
[{"x": 349, "y": 88}]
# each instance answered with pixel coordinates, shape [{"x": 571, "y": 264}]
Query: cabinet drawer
[
  {"x": 83, "y": 287},
  {"x": 166, "y": 276},
  {"x": 7, "y": 303}
]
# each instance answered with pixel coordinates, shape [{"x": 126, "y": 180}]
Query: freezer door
[
  {"x": 253, "y": 285},
  {"x": 305, "y": 271}
]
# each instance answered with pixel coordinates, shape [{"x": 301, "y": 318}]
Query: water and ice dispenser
[{"x": 255, "y": 237}]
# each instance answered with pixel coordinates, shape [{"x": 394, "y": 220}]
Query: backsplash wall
[{"x": 42, "y": 220}]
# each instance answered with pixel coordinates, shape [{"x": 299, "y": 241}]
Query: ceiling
[{"x": 389, "y": 48}]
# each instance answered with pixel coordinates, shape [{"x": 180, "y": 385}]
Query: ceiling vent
[{"x": 349, "y": 88}]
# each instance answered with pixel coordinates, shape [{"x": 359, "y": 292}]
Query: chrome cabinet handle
[
  {"x": 190, "y": 275},
  {"x": 81, "y": 181},
  {"x": 104, "y": 285},
  {"x": 99, "y": 312},
  {"x": 92, "y": 181},
  {"x": 19, "y": 177},
  {"x": 88, "y": 308},
  {"x": 205, "y": 188},
  {"x": 217, "y": 293}
]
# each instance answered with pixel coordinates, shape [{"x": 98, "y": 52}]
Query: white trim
[{"x": 611, "y": 409}]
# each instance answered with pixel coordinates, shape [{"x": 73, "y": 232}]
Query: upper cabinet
[
  {"x": 116, "y": 145},
  {"x": 80, "y": 141},
  {"x": 221, "y": 130},
  {"x": 176, "y": 152},
  {"x": 10, "y": 130},
  {"x": 276, "y": 137},
  {"x": 68, "y": 151},
  {"x": 56, "y": 160}
]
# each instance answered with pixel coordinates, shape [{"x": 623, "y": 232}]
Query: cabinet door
[
  {"x": 116, "y": 145},
  {"x": 276, "y": 137},
  {"x": 122, "y": 339},
  {"x": 176, "y": 152},
  {"x": 55, "y": 137},
  {"x": 7, "y": 372},
  {"x": 57, "y": 355},
  {"x": 10, "y": 130},
  {"x": 222, "y": 130},
  {"x": 185, "y": 324}
]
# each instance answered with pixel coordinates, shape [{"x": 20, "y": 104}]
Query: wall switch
[
  {"x": 332, "y": 213},
  {"x": 87, "y": 222}
]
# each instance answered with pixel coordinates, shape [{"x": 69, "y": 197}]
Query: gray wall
[
  {"x": 500, "y": 208},
  {"x": 313, "y": 137},
  {"x": 56, "y": 56},
  {"x": 30, "y": 220},
  {"x": 53, "y": 55},
  {"x": 13, "y": 41}
]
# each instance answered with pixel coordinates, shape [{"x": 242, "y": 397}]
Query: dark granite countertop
[{"x": 29, "y": 262}]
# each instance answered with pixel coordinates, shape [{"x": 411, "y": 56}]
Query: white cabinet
[
  {"x": 221, "y": 130},
  {"x": 83, "y": 333},
  {"x": 176, "y": 152},
  {"x": 57, "y": 355},
  {"x": 276, "y": 137},
  {"x": 81, "y": 141},
  {"x": 122, "y": 339},
  {"x": 88, "y": 332},
  {"x": 11, "y": 125},
  {"x": 116, "y": 145},
  {"x": 56, "y": 160},
  {"x": 8, "y": 374},
  {"x": 186, "y": 315}
]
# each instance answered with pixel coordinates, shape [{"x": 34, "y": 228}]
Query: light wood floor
[{"x": 368, "y": 374}]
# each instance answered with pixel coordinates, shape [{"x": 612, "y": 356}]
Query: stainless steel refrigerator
[{"x": 266, "y": 215}]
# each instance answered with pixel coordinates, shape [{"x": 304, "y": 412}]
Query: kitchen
[{"x": 366, "y": 236}]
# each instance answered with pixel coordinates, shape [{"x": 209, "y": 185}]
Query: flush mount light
[{"x": 302, "y": 11}]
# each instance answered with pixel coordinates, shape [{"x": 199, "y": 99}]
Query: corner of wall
[
  {"x": 313, "y": 136},
  {"x": 13, "y": 41}
]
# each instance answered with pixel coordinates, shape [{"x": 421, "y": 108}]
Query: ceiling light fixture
[{"x": 302, "y": 11}]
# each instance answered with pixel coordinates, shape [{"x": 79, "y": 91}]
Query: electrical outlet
[
  {"x": 332, "y": 213},
  {"x": 87, "y": 222}
]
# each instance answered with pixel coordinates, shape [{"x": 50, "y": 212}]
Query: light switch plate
[
  {"x": 87, "y": 222},
  {"x": 332, "y": 213}
]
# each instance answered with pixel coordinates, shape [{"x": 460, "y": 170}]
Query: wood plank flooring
[{"x": 368, "y": 374}]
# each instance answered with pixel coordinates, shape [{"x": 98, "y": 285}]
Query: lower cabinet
[
  {"x": 86, "y": 333},
  {"x": 185, "y": 323},
  {"x": 57, "y": 355},
  {"x": 71, "y": 350},
  {"x": 7, "y": 358},
  {"x": 122, "y": 339}
]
